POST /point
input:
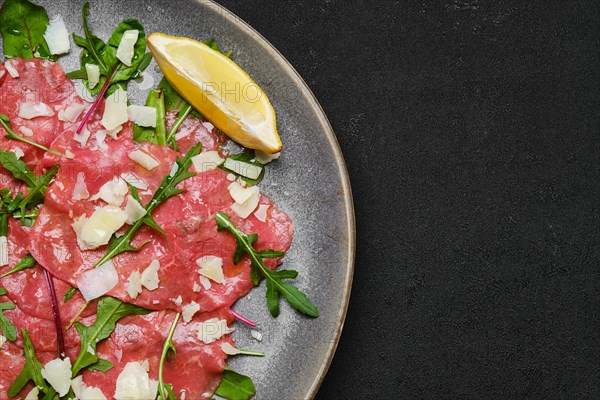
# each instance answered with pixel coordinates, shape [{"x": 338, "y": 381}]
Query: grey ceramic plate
[{"x": 309, "y": 182}]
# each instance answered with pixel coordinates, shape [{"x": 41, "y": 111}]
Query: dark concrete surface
[{"x": 471, "y": 134}]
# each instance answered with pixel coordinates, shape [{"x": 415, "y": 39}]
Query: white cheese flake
[
  {"x": 58, "y": 374},
  {"x": 35, "y": 110},
  {"x": 12, "y": 71},
  {"x": 242, "y": 168},
  {"x": 25, "y": 131},
  {"x": 112, "y": 192},
  {"x": 77, "y": 385},
  {"x": 142, "y": 115},
  {"x": 125, "y": 51},
  {"x": 18, "y": 152},
  {"x": 207, "y": 161},
  {"x": 189, "y": 310},
  {"x": 212, "y": 268},
  {"x": 149, "y": 278},
  {"x": 71, "y": 112},
  {"x": 57, "y": 36},
  {"x": 2, "y": 340},
  {"x": 261, "y": 212},
  {"x": 177, "y": 301},
  {"x": 93, "y": 74},
  {"x": 69, "y": 154},
  {"x": 33, "y": 394},
  {"x": 101, "y": 225},
  {"x": 134, "y": 285},
  {"x": 80, "y": 190},
  {"x": 144, "y": 159},
  {"x": 212, "y": 330},
  {"x": 197, "y": 288},
  {"x": 265, "y": 158},
  {"x": 134, "y": 181},
  {"x": 205, "y": 283},
  {"x": 92, "y": 393},
  {"x": 246, "y": 199},
  {"x": 115, "y": 110},
  {"x": 98, "y": 281},
  {"x": 3, "y": 251},
  {"x": 83, "y": 137},
  {"x": 134, "y": 383},
  {"x": 256, "y": 335},
  {"x": 133, "y": 210},
  {"x": 229, "y": 349}
]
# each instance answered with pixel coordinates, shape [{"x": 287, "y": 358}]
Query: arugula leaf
[
  {"x": 23, "y": 25},
  {"x": 18, "y": 168},
  {"x": 235, "y": 386},
  {"x": 25, "y": 263},
  {"x": 248, "y": 158},
  {"x": 156, "y": 135},
  {"x": 275, "y": 284},
  {"x": 36, "y": 192},
  {"x": 166, "y": 190},
  {"x": 69, "y": 294},
  {"x": 165, "y": 390},
  {"x": 6, "y": 326},
  {"x": 110, "y": 311},
  {"x": 32, "y": 371},
  {"x": 101, "y": 365},
  {"x": 10, "y": 134}
]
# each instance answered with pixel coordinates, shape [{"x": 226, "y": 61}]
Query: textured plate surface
[{"x": 309, "y": 182}]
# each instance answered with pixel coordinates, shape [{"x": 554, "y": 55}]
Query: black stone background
[{"x": 470, "y": 130}]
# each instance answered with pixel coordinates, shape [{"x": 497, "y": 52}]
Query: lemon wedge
[{"x": 219, "y": 89}]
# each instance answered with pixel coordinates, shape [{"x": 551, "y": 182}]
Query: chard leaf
[
  {"x": 156, "y": 135},
  {"x": 25, "y": 263},
  {"x": 275, "y": 284},
  {"x": 166, "y": 190},
  {"x": 235, "y": 386},
  {"x": 110, "y": 311},
  {"x": 32, "y": 371},
  {"x": 23, "y": 24}
]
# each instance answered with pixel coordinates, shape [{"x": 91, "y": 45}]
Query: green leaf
[
  {"x": 235, "y": 386},
  {"x": 32, "y": 371},
  {"x": 23, "y": 25},
  {"x": 69, "y": 294},
  {"x": 165, "y": 390},
  {"x": 92, "y": 43},
  {"x": 6, "y": 326},
  {"x": 110, "y": 311},
  {"x": 166, "y": 190},
  {"x": 17, "y": 168},
  {"x": 101, "y": 365},
  {"x": 36, "y": 192},
  {"x": 10, "y": 134},
  {"x": 248, "y": 158},
  {"x": 25, "y": 263},
  {"x": 275, "y": 284},
  {"x": 156, "y": 135},
  {"x": 125, "y": 72},
  {"x": 3, "y": 291}
]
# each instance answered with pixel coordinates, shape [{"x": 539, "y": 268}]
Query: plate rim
[{"x": 301, "y": 84}]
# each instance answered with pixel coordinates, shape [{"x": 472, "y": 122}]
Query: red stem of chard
[
  {"x": 99, "y": 98},
  {"x": 56, "y": 313},
  {"x": 243, "y": 319}
]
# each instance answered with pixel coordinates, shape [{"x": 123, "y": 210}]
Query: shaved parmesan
[
  {"x": 212, "y": 268},
  {"x": 125, "y": 51},
  {"x": 2, "y": 340},
  {"x": 33, "y": 394},
  {"x": 57, "y": 37},
  {"x": 189, "y": 310},
  {"x": 83, "y": 137},
  {"x": 256, "y": 335},
  {"x": 246, "y": 199},
  {"x": 149, "y": 277},
  {"x": 248, "y": 170},
  {"x": 98, "y": 281},
  {"x": 207, "y": 161},
  {"x": 265, "y": 158},
  {"x": 69, "y": 154},
  {"x": 144, "y": 159},
  {"x": 12, "y": 71},
  {"x": 205, "y": 283},
  {"x": 134, "y": 181},
  {"x": 229, "y": 349},
  {"x": 18, "y": 152},
  {"x": 134, "y": 383},
  {"x": 101, "y": 225},
  {"x": 92, "y": 393},
  {"x": 197, "y": 288},
  {"x": 212, "y": 330},
  {"x": 3, "y": 251},
  {"x": 58, "y": 374},
  {"x": 115, "y": 110},
  {"x": 34, "y": 110},
  {"x": 77, "y": 385},
  {"x": 133, "y": 210},
  {"x": 113, "y": 192},
  {"x": 134, "y": 285},
  {"x": 71, "y": 113},
  {"x": 93, "y": 74},
  {"x": 25, "y": 131},
  {"x": 142, "y": 115},
  {"x": 177, "y": 301},
  {"x": 261, "y": 213},
  {"x": 80, "y": 191},
  {"x": 240, "y": 194}
]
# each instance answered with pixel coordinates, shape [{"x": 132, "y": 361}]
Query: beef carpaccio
[{"x": 186, "y": 269}]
